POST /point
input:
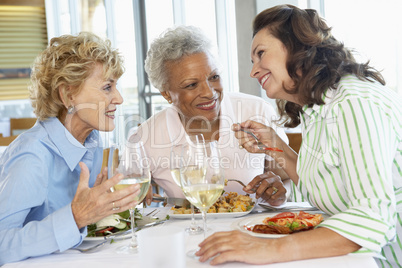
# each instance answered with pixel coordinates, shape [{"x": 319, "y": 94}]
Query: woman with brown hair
[{"x": 350, "y": 161}]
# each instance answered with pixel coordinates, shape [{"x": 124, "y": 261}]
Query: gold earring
[{"x": 170, "y": 101}]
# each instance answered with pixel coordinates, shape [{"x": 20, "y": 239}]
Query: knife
[{"x": 182, "y": 202}]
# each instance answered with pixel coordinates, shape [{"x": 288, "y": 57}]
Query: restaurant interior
[{"x": 26, "y": 26}]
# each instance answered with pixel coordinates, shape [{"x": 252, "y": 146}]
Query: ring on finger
[
  {"x": 114, "y": 207},
  {"x": 275, "y": 190}
]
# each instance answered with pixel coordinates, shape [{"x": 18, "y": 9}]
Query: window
[
  {"x": 373, "y": 29},
  {"x": 23, "y": 36}
]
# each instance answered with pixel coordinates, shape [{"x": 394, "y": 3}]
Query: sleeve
[
  {"x": 28, "y": 225},
  {"x": 365, "y": 139}
]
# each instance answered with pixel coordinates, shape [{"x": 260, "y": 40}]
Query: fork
[
  {"x": 238, "y": 182},
  {"x": 260, "y": 145}
]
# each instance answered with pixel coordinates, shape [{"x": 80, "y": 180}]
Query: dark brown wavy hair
[{"x": 316, "y": 60}]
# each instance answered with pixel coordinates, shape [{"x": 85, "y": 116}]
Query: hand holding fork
[{"x": 260, "y": 145}]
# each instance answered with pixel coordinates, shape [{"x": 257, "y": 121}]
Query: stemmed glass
[
  {"x": 176, "y": 162},
  {"x": 202, "y": 178},
  {"x": 134, "y": 165}
]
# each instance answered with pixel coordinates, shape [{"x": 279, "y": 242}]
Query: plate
[
  {"x": 101, "y": 238},
  {"x": 210, "y": 215},
  {"x": 126, "y": 233},
  {"x": 251, "y": 221}
]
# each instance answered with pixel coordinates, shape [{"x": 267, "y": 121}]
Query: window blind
[{"x": 23, "y": 35}]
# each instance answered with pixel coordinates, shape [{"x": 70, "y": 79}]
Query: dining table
[{"x": 106, "y": 256}]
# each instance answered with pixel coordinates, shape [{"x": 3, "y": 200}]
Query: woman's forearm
[{"x": 317, "y": 243}]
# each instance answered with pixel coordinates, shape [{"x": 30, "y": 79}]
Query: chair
[
  {"x": 107, "y": 157},
  {"x": 19, "y": 125},
  {"x": 295, "y": 140},
  {"x": 5, "y": 141}
]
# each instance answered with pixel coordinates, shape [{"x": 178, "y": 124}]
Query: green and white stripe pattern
[{"x": 350, "y": 165}]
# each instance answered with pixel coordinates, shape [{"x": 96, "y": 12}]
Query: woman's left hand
[
  {"x": 90, "y": 205},
  {"x": 248, "y": 249},
  {"x": 269, "y": 187}
]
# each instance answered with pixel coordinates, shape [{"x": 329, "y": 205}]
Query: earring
[
  {"x": 169, "y": 101},
  {"x": 70, "y": 109}
]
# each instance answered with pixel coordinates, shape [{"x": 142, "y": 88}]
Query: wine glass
[
  {"x": 202, "y": 178},
  {"x": 176, "y": 162},
  {"x": 134, "y": 165}
]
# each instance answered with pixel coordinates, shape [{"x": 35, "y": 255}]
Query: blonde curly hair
[{"x": 67, "y": 62}]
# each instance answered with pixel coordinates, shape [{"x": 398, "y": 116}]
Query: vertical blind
[{"x": 23, "y": 35}]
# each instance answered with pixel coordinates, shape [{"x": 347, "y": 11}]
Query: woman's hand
[
  {"x": 286, "y": 157},
  {"x": 265, "y": 134},
  {"x": 248, "y": 249},
  {"x": 269, "y": 187},
  {"x": 90, "y": 205},
  {"x": 101, "y": 177},
  {"x": 316, "y": 243},
  {"x": 149, "y": 197}
]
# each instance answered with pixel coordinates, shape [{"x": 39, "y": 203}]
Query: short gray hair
[{"x": 172, "y": 45}]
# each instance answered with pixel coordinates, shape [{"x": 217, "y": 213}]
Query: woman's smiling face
[
  {"x": 95, "y": 104},
  {"x": 269, "y": 55},
  {"x": 194, "y": 86}
]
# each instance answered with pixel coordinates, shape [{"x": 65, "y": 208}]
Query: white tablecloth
[{"x": 107, "y": 257}]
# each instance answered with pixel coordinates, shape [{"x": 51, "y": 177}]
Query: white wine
[
  {"x": 193, "y": 174},
  {"x": 203, "y": 196},
  {"x": 176, "y": 176},
  {"x": 143, "y": 181}
]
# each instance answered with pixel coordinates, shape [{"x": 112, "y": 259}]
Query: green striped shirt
[{"x": 350, "y": 165}]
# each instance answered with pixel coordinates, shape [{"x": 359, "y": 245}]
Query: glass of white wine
[
  {"x": 176, "y": 162},
  {"x": 202, "y": 179},
  {"x": 134, "y": 165}
]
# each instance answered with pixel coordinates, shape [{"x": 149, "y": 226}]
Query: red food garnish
[
  {"x": 282, "y": 215},
  {"x": 104, "y": 231},
  {"x": 272, "y": 149}
]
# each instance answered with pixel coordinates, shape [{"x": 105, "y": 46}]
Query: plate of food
[
  {"x": 229, "y": 205},
  {"x": 274, "y": 225},
  {"x": 118, "y": 225}
]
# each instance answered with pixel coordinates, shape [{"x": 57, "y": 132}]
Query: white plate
[
  {"x": 140, "y": 222},
  {"x": 251, "y": 221},
  {"x": 209, "y": 215},
  {"x": 101, "y": 238}
]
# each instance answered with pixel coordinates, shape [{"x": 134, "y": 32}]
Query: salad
[{"x": 112, "y": 224}]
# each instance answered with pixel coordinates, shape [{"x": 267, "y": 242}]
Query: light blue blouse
[{"x": 39, "y": 174}]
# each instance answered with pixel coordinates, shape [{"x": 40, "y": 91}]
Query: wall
[{"x": 245, "y": 13}]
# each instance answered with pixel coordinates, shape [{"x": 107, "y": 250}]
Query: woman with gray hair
[
  {"x": 49, "y": 187},
  {"x": 182, "y": 65}
]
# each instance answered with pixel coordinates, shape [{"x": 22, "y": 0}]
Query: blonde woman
[{"x": 50, "y": 189}]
